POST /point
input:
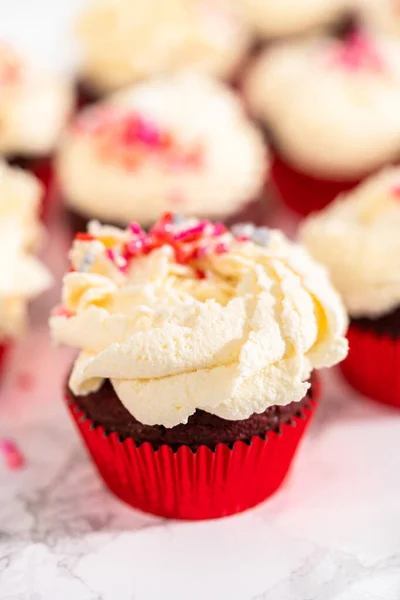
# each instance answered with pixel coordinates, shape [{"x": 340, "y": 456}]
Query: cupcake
[
  {"x": 381, "y": 15},
  {"x": 34, "y": 109},
  {"x": 178, "y": 144},
  {"x": 331, "y": 107},
  {"x": 280, "y": 18},
  {"x": 358, "y": 239},
  {"x": 22, "y": 276},
  {"x": 198, "y": 350},
  {"x": 126, "y": 41}
]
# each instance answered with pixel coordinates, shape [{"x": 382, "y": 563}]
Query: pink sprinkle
[
  {"x": 359, "y": 51},
  {"x": 192, "y": 233},
  {"x": 110, "y": 254},
  {"x": 242, "y": 238},
  {"x": 134, "y": 247},
  {"x": 13, "y": 457},
  {"x": 135, "y": 229},
  {"x": 61, "y": 311},
  {"x": 200, "y": 252},
  {"x": 147, "y": 133},
  {"x": 221, "y": 248},
  {"x": 219, "y": 229}
]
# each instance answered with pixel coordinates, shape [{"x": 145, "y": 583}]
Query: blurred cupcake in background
[
  {"x": 34, "y": 109},
  {"x": 331, "y": 107},
  {"x": 199, "y": 347},
  {"x": 280, "y": 18},
  {"x": 358, "y": 239},
  {"x": 126, "y": 41},
  {"x": 381, "y": 15},
  {"x": 180, "y": 144},
  {"x": 22, "y": 276}
]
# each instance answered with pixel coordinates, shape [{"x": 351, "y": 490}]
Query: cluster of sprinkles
[
  {"x": 189, "y": 244},
  {"x": 357, "y": 51},
  {"x": 129, "y": 139}
]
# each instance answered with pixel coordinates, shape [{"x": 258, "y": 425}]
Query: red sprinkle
[
  {"x": 135, "y": 228},
  {"x": 221, "y": 248},
  {"x": 200, "y": 274},
  {"x": 13, "y": 457},
  {"x": 84, "y": 237}
]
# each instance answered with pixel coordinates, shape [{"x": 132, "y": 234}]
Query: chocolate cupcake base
[{"x": 105, "y": 409}]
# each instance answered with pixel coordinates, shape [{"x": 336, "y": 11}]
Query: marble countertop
[{"x": 332, "y": 532}]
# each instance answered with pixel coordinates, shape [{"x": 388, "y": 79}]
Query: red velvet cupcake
[
  {"x": 34, "y": 109},
  {"x": 331, "y": 106},
  {"x": 130, "y": 41},
  {"x": 358, "y": 239},
  {"x": 198, "y": 348},
  {"x": 182, "y": 143}
]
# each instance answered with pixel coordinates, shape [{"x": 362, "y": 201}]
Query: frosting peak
[{"x": 192, "y": 316}]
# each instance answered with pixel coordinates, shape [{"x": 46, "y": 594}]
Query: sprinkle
[
  {"x": 84, "y": 237},
  {"x": 221, "y": 248},
  {"x": 13, "y": 457},
  {"x": 261, "y": 236},
  {"x": 135, "y": 228},
  {"x": 200, "y": 274},
  {"x": 200, "y": 252},
  {"x": 396, "y": 190},
  {"x": 243, "y": 230},
  {"x": 147, "y": 133},
  {"x": 87, "y": 262},
  {"x": 219, "y": 229},
  {"x": 191, "y": 234},
  {"x": 110, "y": 254},
  {"x": 134, "y": 247},
  {"x": 61, "y": 311}
]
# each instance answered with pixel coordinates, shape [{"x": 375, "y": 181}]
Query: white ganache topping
[
  {"x": 192, "y": 316},
  {"x": 357, "y": 238},
  {"x": 273, "y": 18},
  {"x": 181, "y": 144},
  {"x": 34, "y": 106},
  {"x": 125, "y": 41},
  {"x": 332, "y": 104},
  {"x": 22, "y": 276}
]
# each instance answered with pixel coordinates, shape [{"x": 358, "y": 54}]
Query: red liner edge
[
  {"x": 372, "y": 365},
  {"x": 303, "y": 193},
  {"x": 205, "y": 484}
]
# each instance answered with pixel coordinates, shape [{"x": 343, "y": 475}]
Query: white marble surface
[{"x": 332, "y": 533}]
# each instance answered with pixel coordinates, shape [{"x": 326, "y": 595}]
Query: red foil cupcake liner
[
  {"x": 186, "y": 484},
  {"x": 303, "y": 193},
  {"x": 372, "y": 366}
]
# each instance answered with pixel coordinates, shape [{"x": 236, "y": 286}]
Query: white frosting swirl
[
  {"x": 196, "y": 112},
  {"x": 22, "y": 276},
  {"x": 244, "y": 337},
  {"x": 358, "y": 239},
  {"x": 34, "y": 107},
  {"x": 125, "y": 41},
  {"x": 273, "y": 18},
  {"x": 333, "y": 105}
]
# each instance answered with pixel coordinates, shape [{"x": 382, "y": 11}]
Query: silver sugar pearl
[
  {"x": 86, "y": 263},
  {"x": 261, "y": 236},
  {"x": 243, "y": 230}
]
